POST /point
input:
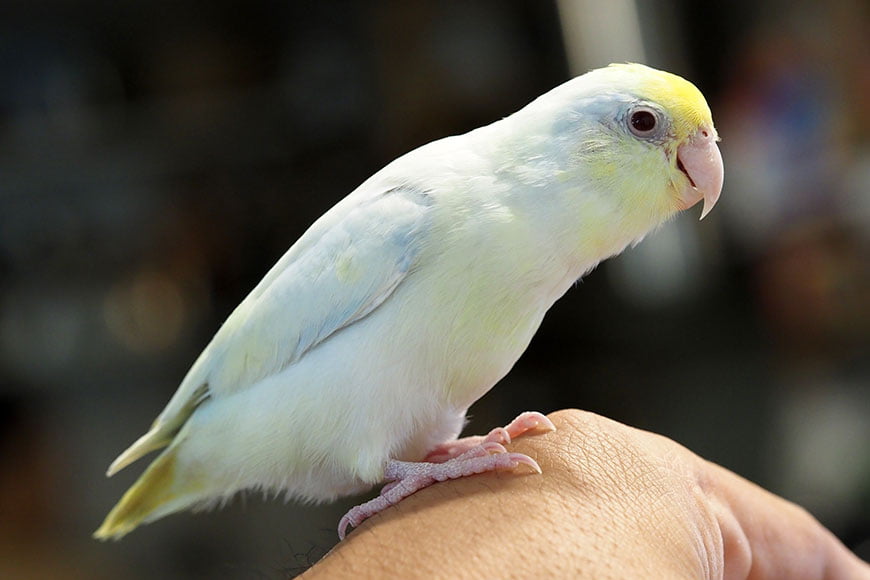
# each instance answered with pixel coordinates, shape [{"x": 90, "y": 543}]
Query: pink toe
[
  {"x": 411, "y": 477},
  {"x": 498, "y": 435},
  {"x": 529, "y": 421},
  {"x": 389, "y": 486}
]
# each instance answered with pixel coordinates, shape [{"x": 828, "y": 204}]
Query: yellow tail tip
[
  {"x": 148, "y": 499},
  {"x": 112, "y": 531}
]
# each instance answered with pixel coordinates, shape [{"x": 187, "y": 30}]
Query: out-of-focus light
[
  {"x": 599, "y": 33},
  {"x": 145, "y": 313},
  {"x": 821, "y": 433}
]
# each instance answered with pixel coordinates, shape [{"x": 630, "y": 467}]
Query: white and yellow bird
[{"x": 359, "y": 353}]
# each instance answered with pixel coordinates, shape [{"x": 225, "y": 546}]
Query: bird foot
[
  {"x": 524, "y": 423},
  {"x": 409, "y": 477},
  {"x": 457, "y": 459}
]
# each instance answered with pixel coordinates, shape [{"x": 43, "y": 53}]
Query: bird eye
[{"x": 643, "y": 122}]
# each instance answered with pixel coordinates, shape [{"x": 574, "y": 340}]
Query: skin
[{"x": 613, "y": 502}]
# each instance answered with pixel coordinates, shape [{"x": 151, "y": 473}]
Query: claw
[
  {"x": 521, "y": 459},
  {"x": 528, "y": 421},
  {"x": 499, "y": 435},
  {"x": 450, "y": 461},
  {"x": 491, "y": 447},
  {"x": 411, "y": 477},
  {"x": 343, "y": 523}
]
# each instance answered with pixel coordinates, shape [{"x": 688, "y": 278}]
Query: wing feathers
[
  {"x": 345, "y": 266},
  {"x": 162, "y": 432}
]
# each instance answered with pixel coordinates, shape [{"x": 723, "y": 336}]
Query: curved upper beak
[{"x": 699, "y": 158}]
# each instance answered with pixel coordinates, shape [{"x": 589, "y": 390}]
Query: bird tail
[
  {"x": 158, "y": 436},
  {"x": 165, "y": 427},
  {"x": 158, "y": 492}
]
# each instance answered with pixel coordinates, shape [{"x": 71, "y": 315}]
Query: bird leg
[{"x": 477, "y": 455}]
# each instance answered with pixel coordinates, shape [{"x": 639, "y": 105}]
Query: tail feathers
[
  {"x": 158, "y": 492},
  {"x": 165, "y": 427},
  {"x": 155, "y": 438}
]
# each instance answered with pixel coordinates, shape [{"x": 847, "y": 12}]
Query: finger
[{"x": 766, "y": 537}]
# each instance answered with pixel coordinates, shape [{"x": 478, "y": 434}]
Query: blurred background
[{"x": 157, "y": 157}]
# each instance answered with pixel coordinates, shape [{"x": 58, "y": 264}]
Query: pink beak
[{"x": 699, "y": 158}]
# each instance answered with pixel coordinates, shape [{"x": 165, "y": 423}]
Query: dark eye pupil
[{"x": 643, "y": 121}]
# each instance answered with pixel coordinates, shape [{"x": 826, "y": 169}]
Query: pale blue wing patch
[
  {"x": 345, "y": 266},
  {"x": 348, "y": 272}
]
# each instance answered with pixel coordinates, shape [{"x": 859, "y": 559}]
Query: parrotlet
[{"x": 355, "y": 359}]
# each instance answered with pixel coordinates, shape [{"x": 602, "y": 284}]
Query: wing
[{"x": 345, "y": 266}]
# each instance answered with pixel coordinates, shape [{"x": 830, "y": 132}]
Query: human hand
[{"x": 613, "y": 502}]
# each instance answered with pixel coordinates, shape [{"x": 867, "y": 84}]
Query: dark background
[{"x": 157, "y": 157}]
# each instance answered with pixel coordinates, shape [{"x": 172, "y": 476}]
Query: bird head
[
  {"x": 640, "y": 139},
  {"x": 671, "y": 115},
  {"x": 662, "y": 133}
]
